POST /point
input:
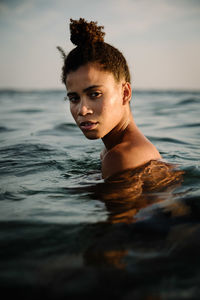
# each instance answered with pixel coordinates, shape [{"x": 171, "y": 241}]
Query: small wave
[
  {"x": 189, "y": 125},
  {"x": 60, "y": 129},
  {"x": 5, "y": 129},
  {"x": 189, "y": 101},
  {"x": 20, "y": 169},
  {"x": 65, "y": 126},
  {"x": 28, "y": 111},
  {"x": 24, "y": 150},
  {"x": 167, "y": 139},
  {"x": 185, "y": 125},
  {"x": 10, "y": 196}
]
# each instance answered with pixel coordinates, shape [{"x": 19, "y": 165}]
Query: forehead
[{"x": 88, "y": 75}]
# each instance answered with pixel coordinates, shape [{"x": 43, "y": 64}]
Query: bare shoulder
[
  {"x": 103, "y": 153},
  {"x": 124, "y": 156}
]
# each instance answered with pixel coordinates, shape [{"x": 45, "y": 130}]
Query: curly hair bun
[{"x": 83, "y": 32}]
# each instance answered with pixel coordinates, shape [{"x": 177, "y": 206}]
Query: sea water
[{"x": 60, "y": 238}]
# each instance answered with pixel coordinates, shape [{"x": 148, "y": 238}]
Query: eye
[
  {"x": 95, "y": 94},
  {"x": 73, "y": 98}
]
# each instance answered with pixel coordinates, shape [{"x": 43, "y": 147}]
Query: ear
[{"x": 127, "y": 92}]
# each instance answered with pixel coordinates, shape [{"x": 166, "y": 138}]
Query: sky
[{"x": 159, "y": 38}]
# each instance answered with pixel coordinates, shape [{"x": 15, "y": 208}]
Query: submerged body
[
  {"x": 125, "y": 194},
  {"x": 100, "y": 106}
]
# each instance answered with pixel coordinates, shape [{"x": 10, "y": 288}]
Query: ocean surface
[{"x": 65, "y": 233}]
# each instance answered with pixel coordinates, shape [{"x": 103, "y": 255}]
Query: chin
[{"x": 92, "y": 136}]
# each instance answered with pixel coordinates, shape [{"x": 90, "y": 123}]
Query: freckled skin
[{"x": 96, "y": 97}]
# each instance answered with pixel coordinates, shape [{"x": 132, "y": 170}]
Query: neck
[{"x": 116, "y": 135}]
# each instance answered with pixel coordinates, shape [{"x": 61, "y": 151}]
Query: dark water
[{"x": 65, "y": 233}]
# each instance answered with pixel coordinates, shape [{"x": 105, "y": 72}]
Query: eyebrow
[{"x": 85, "y": 90}]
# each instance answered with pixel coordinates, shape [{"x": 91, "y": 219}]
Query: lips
[{"x": 88, "y": 125}]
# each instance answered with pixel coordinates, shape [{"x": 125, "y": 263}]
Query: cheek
[
  {"x": 108, "y": 104},
  {"x": 73, "y": 111},
  {"x": 112, "y": 107},
  {"x": 106, "y": 110}
]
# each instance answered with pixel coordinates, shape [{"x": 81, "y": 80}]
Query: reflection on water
[
  {"x": 127, "y": 196},
  {"x": 127, "y": 193}
]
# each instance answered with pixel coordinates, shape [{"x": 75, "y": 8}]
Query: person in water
[{"x": 97, "y": 79}]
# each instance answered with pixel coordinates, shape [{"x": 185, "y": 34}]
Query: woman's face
[{"x": 96, "y": 100}]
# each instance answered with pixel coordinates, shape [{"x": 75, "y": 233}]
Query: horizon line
[{"x": 141, "y": 89}]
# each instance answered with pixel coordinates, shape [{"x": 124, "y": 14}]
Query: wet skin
[{"x": 100, "y": 106}]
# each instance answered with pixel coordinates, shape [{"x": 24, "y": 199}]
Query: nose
[{"x": 84, "y": 108}]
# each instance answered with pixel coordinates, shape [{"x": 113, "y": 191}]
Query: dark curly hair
[{"x": 91, "y": 48}]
